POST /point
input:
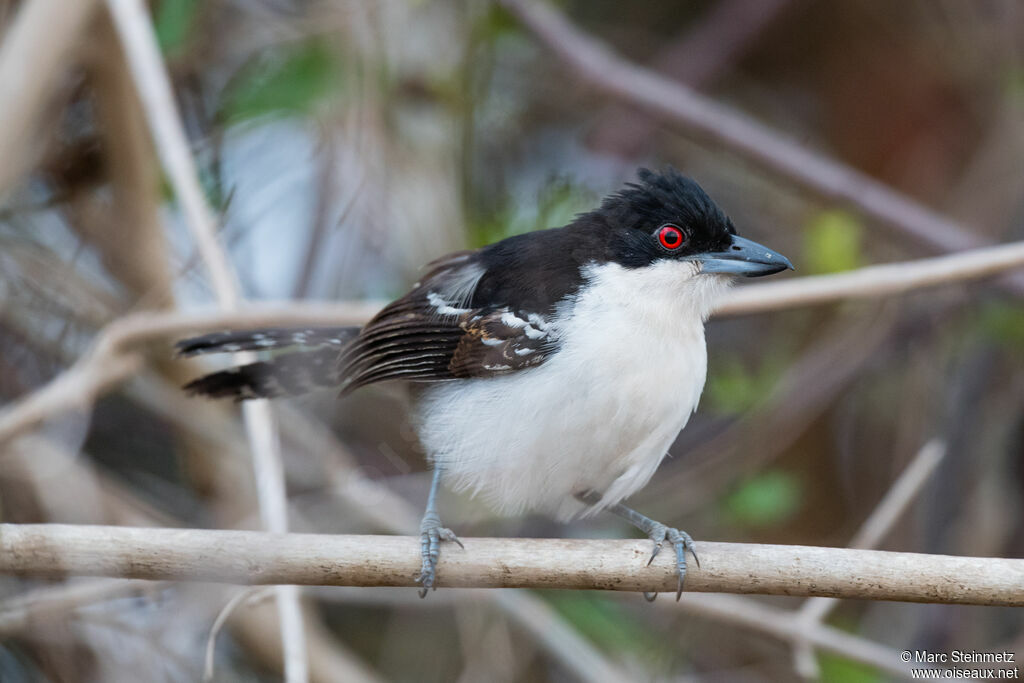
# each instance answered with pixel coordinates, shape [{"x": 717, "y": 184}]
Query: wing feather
[{"x": 437, "y": 333}]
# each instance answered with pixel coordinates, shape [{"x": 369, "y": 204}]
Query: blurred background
[{"x": 344, "y": 144}]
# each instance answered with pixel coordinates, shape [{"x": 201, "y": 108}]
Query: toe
[
  {"x": 449, "y": 535},
  {"x": 430, "y": 542}
]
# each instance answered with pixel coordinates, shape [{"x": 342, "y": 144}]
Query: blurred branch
[
  {"x": 17, "y": 613},
  {"x": 154, "y": 88},
  {"x": 892, "y": 506},
  {"x": 39, "y": 464},
  {"x": 803, "y": 393},
  {"x": 720, "y": 124},
  {"x": 112, "y": 359},
  {"x": 721, "y": 36},
  {"x": 249, "y": 557},
  {"x": 875, "y": 281},
  {"x": 103, "y": 368},
  {"x": 903, "y": 491},
  {"x": 73, "y": 389},
  {"x": 736, "y": 610},
  {"x": 785, "y": 625},
  {"x": 388, "y": 511},
  {"x": 34, "y": 57}
]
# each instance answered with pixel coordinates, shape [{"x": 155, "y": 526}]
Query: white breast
[{"x": 599, "y": 414}]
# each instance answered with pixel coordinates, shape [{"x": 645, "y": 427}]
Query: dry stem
[{"x": 249, "y": 557}]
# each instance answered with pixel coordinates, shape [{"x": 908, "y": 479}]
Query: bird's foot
[
  {"x": 681, "y": 541},
  {"x": 431, "y": 535}
]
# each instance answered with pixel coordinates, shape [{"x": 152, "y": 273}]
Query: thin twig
[
  {"x": 720, "y": 124},
  {"x": 252, "y": 594},
  {"x": 700, "y": 54},
  {"x": 250, "y": 557},
  {"x": 154, "y": 87},
  {"x": 896, "y": 500},
  {"x": 875, "y": 281},
  {"x": 783, "y": 624},
  {"x": 892, "y": 506}
]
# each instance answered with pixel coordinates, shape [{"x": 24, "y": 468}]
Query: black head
[{"x": 667, "y": 216}]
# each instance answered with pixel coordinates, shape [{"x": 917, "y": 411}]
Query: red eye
[{"x": 670, "y": 237}]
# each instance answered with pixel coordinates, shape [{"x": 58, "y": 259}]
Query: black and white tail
[{"x": 288, "y": 374}]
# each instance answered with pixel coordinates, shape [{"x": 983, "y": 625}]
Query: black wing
[{"x": 438, "y": 332}]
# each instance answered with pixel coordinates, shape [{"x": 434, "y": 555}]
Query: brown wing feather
[{"x": 433, "y": 334}]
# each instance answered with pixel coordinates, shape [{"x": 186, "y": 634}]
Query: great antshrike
[{"x": 549, "y": 371}]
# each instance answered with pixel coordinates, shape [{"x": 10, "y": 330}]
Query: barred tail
[
  {"x": 263, "y": 340},
  {"x": 289, "y": 374}
]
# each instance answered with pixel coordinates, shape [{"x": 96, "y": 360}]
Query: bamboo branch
[{"x": 249, "y": 557}]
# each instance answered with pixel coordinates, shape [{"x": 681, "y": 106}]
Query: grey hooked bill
[{"x": 745, "y": 257}]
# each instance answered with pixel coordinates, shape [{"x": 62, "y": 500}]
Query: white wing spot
[
  {"x": 510, "y": 319},
  {"x": 442, "y": 306},
  {"x": 537, "y": 321}
]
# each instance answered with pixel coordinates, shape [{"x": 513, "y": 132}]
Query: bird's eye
[{"x": 670, "y": 237}]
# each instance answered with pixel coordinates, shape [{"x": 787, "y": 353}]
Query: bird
[{"x": 548, "y": 372}]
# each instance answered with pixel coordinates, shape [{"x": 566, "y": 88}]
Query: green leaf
[
  {"x": 496, "y": 22},
  {"x": 605, "y": 623},
  {"x": 770, "y": 498},
  {"x": 832, "y": 242},
  {"x": 1015, "y": 86},
  {"x": 1003, "y": 323},
  {"x": 731, "y": 388},
  {"x": 173, "y": 21},
  {"x": 556, "y": 204},
  {"x": 285, "y": 81},
  {"x": 836, "y": 669}
]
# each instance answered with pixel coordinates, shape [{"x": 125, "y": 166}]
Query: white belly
[{"x": 598, "y": 415}]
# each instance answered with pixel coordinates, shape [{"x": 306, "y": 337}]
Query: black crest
[{"x": 666, "y": 197}]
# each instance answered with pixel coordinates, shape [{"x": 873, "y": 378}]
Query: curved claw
[
  {"x": 449, "y": 535},
  {"x": 681, "y": 542},
  {"x": 657, "y": 549}
]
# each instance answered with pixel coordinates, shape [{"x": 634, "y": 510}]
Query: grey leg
[
  {"x": 431, "y": 535},
  {"x": 657, "y": 532}
]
